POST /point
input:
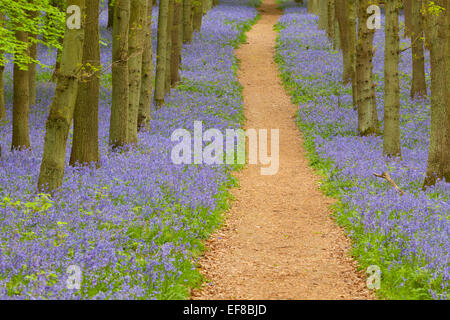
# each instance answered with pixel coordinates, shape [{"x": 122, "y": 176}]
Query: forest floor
[{"x": 279, "y": 240}]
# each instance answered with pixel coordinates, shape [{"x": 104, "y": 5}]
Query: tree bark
[
  {"x": 342, "y": 18},
  {"x": 419, "y": 85},
  {"x": 170, "y": 46},
  {"x": 21, "y": 103},
  {"x": 407, "y": 6},
  {"x": 85, "y": 120},
  {"x": 437, "y": 37},
  {"x": 145, "y": 100},
  {"x": 2, "y": 88},
  {"x": 187, "y": 21},
  {"x": 198, "y": 14},
  {"x": 62, "y": 107},
  {"x": 161, "y": 53},
  {"x": 367, "y": 112},
  {"x": 350, "y": 5},
  {"x": 110, "y": 14},
  {"x": 118, "y": 134},
  {"x": 323, "y": 14},
  {"x": 135, "y": 51},
  {"x": 176, "y": 43},
  {"x": 391, "y": 138}
]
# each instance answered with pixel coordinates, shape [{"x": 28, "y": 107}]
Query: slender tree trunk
[
  {"x": 145, "y": 100},
  {"x": 342, "y": 18},
  {"x": 310, "y": 6},
  {"x": 161, "y": 53},
  {"x": 367, "y": 112},
  {"x": 419, "y": 85},
  {"x": 331, "y": 22},
  {"x": 176, "y": 44},
  {"x": 135, "y": 51},
  {"x": 350, "y": 5},
  {"x": 437, "y": 36},
  {"x": 207, "y": 5},
  {"x": 21, "y": 104},
  {"x": 170, "y": 46},
  {"x": 60, "y": 6},
  {"x": 323, "y": 14},
  {"x": 198, "y": 14},
  {"x": 85, "y": 120},
  {"x": 110, "y": 14},
  {"x": 2, "y": 88},
  {"x": 118, "y": 130},
  {"x": 391, "y": 141},
  {"x": 62, "y": 107},
  {"x": 187, "y": 21},
  {"x": 407, "y": 6},
  {"x": 315, "y": 7}
]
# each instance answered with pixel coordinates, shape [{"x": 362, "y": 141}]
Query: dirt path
[{"x": 279, "y": 241}]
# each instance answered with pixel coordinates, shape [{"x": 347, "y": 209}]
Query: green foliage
[{"x": 38, "y": 17}]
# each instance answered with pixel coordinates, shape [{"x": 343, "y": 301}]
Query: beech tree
[
  {"x": 145, "y": 99},
  {"x": 366, "y": 103},
  {"x": 197, "y": 14},
  {"x": 170, "y": 41},
  {"x": 120, "y": 82},
  {"x": 2, "y": 88},
  {"x": 161, "y": 52},
  {"x": 63, "y": 105},
  {"x": 85, "y": 120},
  {"x": 187, "y": 21},
  {"x": 437, "y": 40},
  {"x": 323, "y": 14},
  {"x": 135, "y": 51},
  {"x": 344, "y": 34},
  {"x": 21, "y": 99},
  {"x": 419, "y": 86},
  {"x": 391, "y": 141},
  {"x": 177, "y": 42}
]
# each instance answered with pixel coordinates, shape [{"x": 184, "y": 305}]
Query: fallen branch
[{"x": 387, "y": 177}]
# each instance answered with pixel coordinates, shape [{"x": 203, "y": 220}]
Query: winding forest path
[{"x": 279, "y": 241}]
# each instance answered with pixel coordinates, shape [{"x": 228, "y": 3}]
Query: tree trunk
[
  {"x": 21, "y": 104},
  {"x": 135, "y": 50},
  {"x": 391, "y": 139},
  {"x": 310, "y": 5},
  {"x": 145, "y": 100},
  {"x": 161, "y": 53},
  {"x": 187, "y": 21},
  {"x": 367, "y": 112},
  {"x": 350, "y": 5},
  {"x": 170, "y": 46},
  {"x": 342, "y": 18},
  {"x": 407, "y": 6},
  {"x": 198, "y": 14},
  {"x": 419, "y": 85},
  {"x": 331, "y": 22},
  {"x": 323, "y": 14},
  {"x": 207, "y": 5},
  {"x": 176, "y": 44},
  {"x": 2, "y": 88},
  {"x": 85, "y": 119},
  {"x": 60, "y": 6},
  {"x": 110, "y": 14},
  {"x": 437, "y": 38},
  {"x": 62, "y": 108},
  {"x": 120, "y": 89}
]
